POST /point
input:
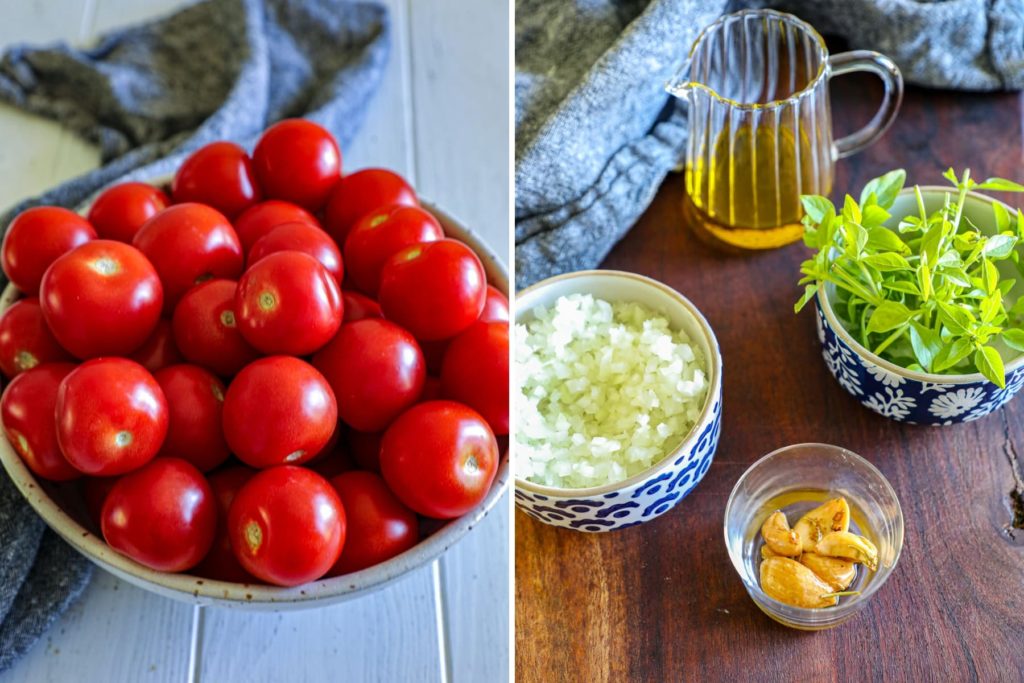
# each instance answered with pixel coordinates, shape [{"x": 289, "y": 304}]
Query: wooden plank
[
  {"x": 386, "y": 636},
  {"x": 116, "y": 632},
  {"x": 661, "y": 601},
  {"x": 461, "y": 118}
]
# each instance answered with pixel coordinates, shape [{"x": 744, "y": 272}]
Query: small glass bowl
[{"x": 796, "y": 478}]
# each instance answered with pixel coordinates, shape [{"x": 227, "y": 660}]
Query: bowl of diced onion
[{"x": 618, "y": 399}]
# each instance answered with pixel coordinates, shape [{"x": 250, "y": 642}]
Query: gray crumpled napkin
[
  {"x": 596, "y": 133},
  {"x": 148, "y": 95}
]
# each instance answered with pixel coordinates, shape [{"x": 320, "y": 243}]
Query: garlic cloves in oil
[
  {"x": 832, "y": 515},
  {"x": 836, "y": 572},
  {"x": 790, "y": 582},
  {"x": 848, "y": 546},
  {"x": 780, "y": 538}
]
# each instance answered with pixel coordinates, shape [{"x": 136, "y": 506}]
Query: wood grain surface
[{"x": 662, "y": 602}]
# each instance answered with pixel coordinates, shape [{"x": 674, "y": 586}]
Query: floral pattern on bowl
[
  {"x": 903, "y": 398},
  {"x": 641, "y": 502}
]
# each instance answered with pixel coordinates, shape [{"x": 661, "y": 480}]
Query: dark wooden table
[{"x": 661, "y": 601}]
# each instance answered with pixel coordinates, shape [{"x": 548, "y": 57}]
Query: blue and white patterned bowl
[
  {"x": 658, "y": 489},
  {"x": 904, "y": 395}
]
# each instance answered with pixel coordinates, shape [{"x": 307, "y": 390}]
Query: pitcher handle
[{"x": 884, "y": 68}]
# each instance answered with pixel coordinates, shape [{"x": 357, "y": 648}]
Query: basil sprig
[{"x": 927, "y": 296}]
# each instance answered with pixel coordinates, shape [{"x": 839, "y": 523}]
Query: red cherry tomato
[
  {"x": 496, "y": 307},
  {"x": 163, "y": 516},
  {"x": 111, "y": 416},
  {"x": 279, "y": 410},
  {"x": 102, "y": 299},
  {"x": 434, "y": 289},
  {"x": 378, "y": 526},
  {"x": 36, "y": 238},
  {"x": 159, "y": 350},
  {"x": 25, "y": 339},
  {"x": 303, "y": 237},
  {"x": 365, "y": 449},
  {"x": 288, "y": 303},
  {"x": 376, "y": 371},
  {"x": 261, "y": 218},
  {"x": 206, "y": 329},
  {"x": 94, "y": 494},
  {"x": 379, "y": 234},
  {"x": 431, "y": 390},
  {"x": 359, "y": 307},
  {"x": 120, "y": 210},
  {"x": 219, "y": 175},
  {"x": 189, "y": 244},
  {"x": 27, "y": 409},
  {"x": 475, "y": 372},
  {"x": 439, "y": 458},
  {"x": 220, "y": 563},
  {"x": 297, "y": 161},
  {"x": 287, "y": 526},
  {"x": 359, "y": 193},
  {"x": 195, "y": 400}
]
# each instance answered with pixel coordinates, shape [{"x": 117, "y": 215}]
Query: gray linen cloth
[
  {"x": 148, "y": 95},
  {"x": 596, "y": 133}
]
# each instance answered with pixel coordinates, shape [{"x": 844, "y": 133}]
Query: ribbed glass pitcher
[{"x": 760, "y": 127}]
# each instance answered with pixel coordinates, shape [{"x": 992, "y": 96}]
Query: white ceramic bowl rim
[
  {"x": 886, "y": 486},
  {"x": 183, "y": 586},
  {"x": 931, "y": 378},
  {"x": 714, "y": 372}
]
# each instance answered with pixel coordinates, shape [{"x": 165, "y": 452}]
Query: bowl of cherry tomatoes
[{"x": 259, "y": 383}]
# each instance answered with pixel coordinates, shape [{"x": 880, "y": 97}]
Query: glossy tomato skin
[
  {"x": 279, "y": 410},
  {"x": 439, "y": 458},
  {"x": 380, "y": 234},
  {"x": 259, "y": 219},
  {"x": 219, "y": 175},
  {"x": 359, "y": 193},
  {"x": 195, "y": 401},
  {"x": 434, "y": 289},
  {"x": 303, "y": 237},
  {"x": 163, "y": 515},
  {"x": 26, "y": 340},
  {"x": 288, "y": 303},
  {"x": 189, "y": 244},
  {"x": 378, "y": 526},
  {"x": 206, "y": 329},
  {"x": 120, "y": 210},
  {"x": 27, "y": 410},
  {"x": 220, "y": 563},
  {"x": 475, "y": 372},
  {"x": 159, "y": 350},
  {"x": 36, "y": 238},
  {"x": 111, "y": 416},
  {"x": 376, "y": 370},
  {"x": 298, "y": 161},
  {"x": 496, "y": 307},
  {"x": 359, "y": 306},
  {"x": 102, "y": 299},
  {"x": 287, "y": 526}
]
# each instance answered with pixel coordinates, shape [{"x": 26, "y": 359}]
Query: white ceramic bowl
[
  {"x": 919, "y": 397},
  {"x": 58, "y": 505},
  {"x": 659, "y": 488}
]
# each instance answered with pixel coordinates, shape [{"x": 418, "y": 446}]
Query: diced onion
[{"x": 606, "y": 390}]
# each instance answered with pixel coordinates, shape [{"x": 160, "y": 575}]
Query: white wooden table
[{"x": 442, "y": 119}]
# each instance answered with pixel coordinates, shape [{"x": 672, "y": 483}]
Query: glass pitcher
[{"x": 760, "y": 128}]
